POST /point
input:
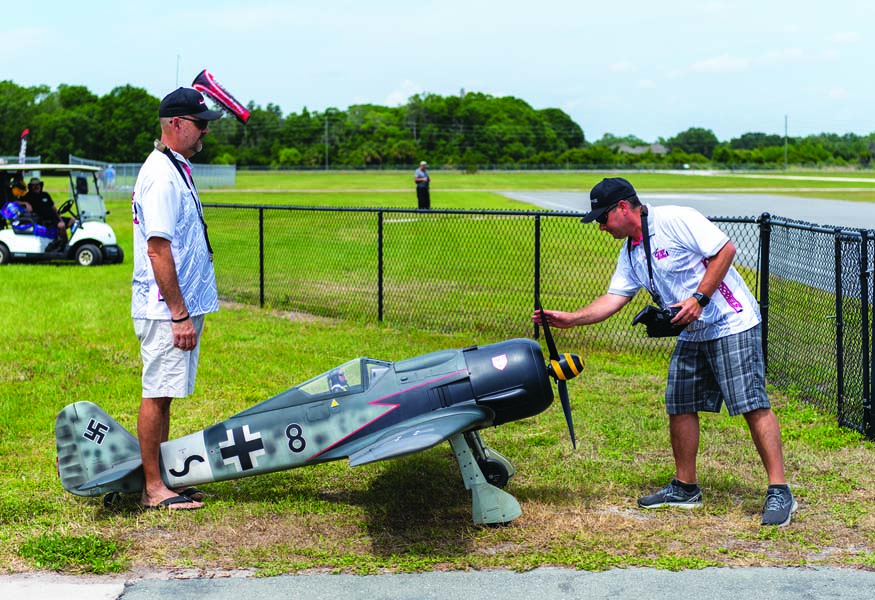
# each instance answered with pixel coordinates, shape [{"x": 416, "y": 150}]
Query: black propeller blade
[{"x": 562, "y": 368}]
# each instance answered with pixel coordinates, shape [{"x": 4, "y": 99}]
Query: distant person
[
  {"x": 109, "y": 177},
  {"x": 174, "y": 284},
  {"x": 718, "y": 357},
  {"x": 422, "y": 180},
  {"x": 40, "y": 203}
]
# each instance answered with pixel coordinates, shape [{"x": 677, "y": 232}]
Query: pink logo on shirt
[
  {"x": 660, "y": 254},
  {"x": 727, "y": 294}
]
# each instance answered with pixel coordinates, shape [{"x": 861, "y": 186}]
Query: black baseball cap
[
  {"x": 184, "y": 102},
  {"x": 607, "y": 193}
]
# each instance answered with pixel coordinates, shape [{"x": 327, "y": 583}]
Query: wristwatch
[{"x": 702, "y": 299}]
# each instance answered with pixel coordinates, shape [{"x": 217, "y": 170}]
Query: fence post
[
  {"x": 840, "y": 331},
  {"x": 765, "y": 244},
  {"x": 865, "y": 277},
  {"x": 380, "y": 266},
  {"x": 261, "y": 257},
  {"x": 537, "y": 269}
]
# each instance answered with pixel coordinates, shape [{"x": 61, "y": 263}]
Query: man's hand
[
  {"x": 184, "y": 335},
  {"x": 690, "y": 311}
]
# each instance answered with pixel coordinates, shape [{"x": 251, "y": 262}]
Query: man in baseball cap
[
  {"x": 184, "y": 102},
  {"x": 605, "y": 195},
  {"x": 685, "y": 262}
]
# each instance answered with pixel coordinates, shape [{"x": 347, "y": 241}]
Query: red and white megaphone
[{"x": 207, "y": 84}]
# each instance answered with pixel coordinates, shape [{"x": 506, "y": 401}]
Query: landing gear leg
[{"x": 490, "y": 505}]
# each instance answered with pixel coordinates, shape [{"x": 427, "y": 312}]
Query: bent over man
[{"x": 718, "y": 357}]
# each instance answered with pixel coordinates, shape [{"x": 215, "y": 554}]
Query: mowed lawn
[{"x": 413, "y": 513}]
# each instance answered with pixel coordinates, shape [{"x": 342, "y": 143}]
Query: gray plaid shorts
[{"x": 703, "y": 375}]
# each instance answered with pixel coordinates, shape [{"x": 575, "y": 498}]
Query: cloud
[
  {"x": 846, "y": 37},
  {"x": 400, "y": 96},
  {"x": 622, "y": 67},
  {"x": 647, "y": 84},
  {"x": 721, "y": 64},
  {"x": 783, "y": 56},
  {"x": 837, "y": 94}
]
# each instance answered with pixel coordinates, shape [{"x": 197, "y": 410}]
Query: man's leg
[
  {"x": 682, "y": 491},
  {"x": 684, "y": 430},
  {"x": 766, "y": 435},
  {"x": 153, "y": 428}
]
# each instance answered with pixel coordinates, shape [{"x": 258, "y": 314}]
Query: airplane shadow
[{"x": 417, "y": 505}]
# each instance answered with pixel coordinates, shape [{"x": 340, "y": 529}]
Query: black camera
[{"x": 658, "y": 321}]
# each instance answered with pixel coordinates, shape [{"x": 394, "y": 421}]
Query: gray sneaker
[
  {"x": 673, "y": 495},
  {"x": 779, "y": 506}
]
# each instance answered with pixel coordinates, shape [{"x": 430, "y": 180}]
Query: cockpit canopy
[{"x": 352, "y": 377}]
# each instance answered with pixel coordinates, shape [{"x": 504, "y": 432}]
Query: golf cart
[{"x": 22, "y": 237}]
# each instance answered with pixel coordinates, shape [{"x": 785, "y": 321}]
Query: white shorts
[{"x": 168, "y": 372}]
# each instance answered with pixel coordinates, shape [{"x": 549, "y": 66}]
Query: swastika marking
[{"x": 95, "y": 432}]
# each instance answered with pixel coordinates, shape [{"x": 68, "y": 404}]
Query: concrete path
[{"x": 545, "y": 583}]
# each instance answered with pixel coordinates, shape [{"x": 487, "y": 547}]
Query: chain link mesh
[{"x": 482, "y": 271}]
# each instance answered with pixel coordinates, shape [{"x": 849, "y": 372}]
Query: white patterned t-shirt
[
  {"x": 164, "y": 206},
  {"x": 681, "y": 241}
]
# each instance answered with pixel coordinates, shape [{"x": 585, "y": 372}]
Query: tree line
[{"x": 469, "y": 130}]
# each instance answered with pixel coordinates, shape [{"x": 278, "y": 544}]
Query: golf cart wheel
[
  {"x": 5, "y": 257},
  {"x": 88, "y": 255},
  {"x": 495, "y": 472}
]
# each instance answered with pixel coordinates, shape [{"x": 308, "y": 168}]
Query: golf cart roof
[{"x": 48, "y": 167}]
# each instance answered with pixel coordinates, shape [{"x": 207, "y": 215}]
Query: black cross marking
[
  {"x": 96, "y": 432},
  {"x": 242, "y": 448}
]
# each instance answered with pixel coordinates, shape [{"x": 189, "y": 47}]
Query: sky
[{"x": 643, "y": 68}]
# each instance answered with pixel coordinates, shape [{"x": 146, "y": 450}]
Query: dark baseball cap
[
  {"x": 186, "y": 101},
  {"x": 607, "y": 193}
]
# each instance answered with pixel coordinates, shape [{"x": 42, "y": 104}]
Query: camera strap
[
  {"x": 169, "y": 153},
  {"x": 645, "y": 240}
]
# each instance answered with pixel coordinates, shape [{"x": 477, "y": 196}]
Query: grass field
[{"x": 408, "y": 514}]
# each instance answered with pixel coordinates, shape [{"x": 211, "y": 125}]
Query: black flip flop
[
  {"x": 168, "y": 502},
  {"x": 193, "y": 493}
]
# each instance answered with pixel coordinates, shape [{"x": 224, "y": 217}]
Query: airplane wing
[{"x": 423, "y": 433}]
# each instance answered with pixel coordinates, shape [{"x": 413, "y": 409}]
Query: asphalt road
[
  {"x": 545, "y": 583},
  {"x": 828, "y": 213}
]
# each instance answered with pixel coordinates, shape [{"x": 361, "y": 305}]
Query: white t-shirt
[
  {"x": 681, "y": 241},
  {"x": 164, "y": 206}
]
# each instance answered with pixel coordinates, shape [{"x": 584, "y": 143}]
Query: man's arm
[
  {"x": 595, "y": 312},
  {"x": 164, "y": 268},
  {"x": 715, "y": 273}
]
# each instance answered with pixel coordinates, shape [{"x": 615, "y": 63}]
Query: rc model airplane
[{"x": 365, "y": 410}]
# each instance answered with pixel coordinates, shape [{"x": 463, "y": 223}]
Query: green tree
[
  {"x": 694, "y": 140},
  {"x": 125, "y": 125}
]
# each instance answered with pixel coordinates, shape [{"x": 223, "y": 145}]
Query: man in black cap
[
  {"x": 40, "y": 202},
  {"x": 718, "y": 357},
  {"x": 174, "y": 284}
]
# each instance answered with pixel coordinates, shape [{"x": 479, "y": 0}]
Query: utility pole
[
  {"x": 786, "y": 120},
  {"x": 326, "y": 140}
]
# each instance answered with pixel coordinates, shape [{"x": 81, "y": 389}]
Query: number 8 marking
[{"x": 295, "y": 433}]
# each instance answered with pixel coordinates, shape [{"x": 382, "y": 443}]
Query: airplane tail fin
[{"x": 96, "y": 455}]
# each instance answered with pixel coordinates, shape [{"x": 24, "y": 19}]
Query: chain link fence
[
  {"x": 117, "y": 179},
  {"x": 483, "y": 271}
]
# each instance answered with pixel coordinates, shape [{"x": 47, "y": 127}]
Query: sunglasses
[
  {"x": 602, "y": 219},
  {"x": 199, "y": 123}
]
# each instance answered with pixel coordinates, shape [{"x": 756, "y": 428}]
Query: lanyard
[
  {"x": 163, "y": 148},
  {"x": 645, "y": 240}
]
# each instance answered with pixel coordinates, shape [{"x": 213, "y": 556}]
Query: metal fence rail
[{"x": 481, "y": 271}]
